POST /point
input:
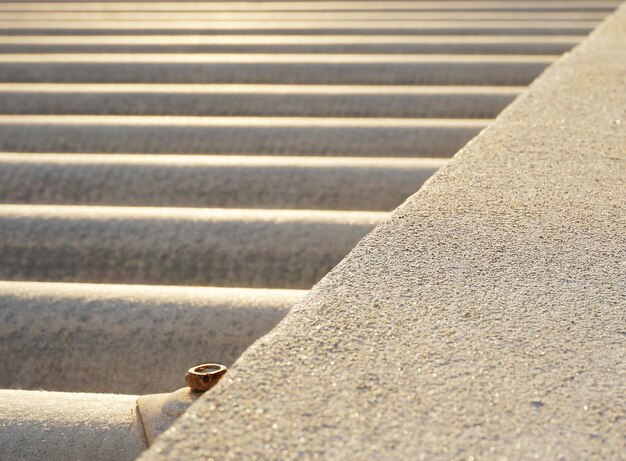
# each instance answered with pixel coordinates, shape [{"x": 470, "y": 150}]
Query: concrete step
[
  {"x": 231, "y": 16},
  {"x": 39, "y": 425},
  {"x": 346, "y": 44},
  {"x": 356, "y": 137},
  {"x": 298, "y": 27},
  {"x": 83, "y": 337},
  {"x": 437, "y": 5},
  {"x": 256, "y": 100},
  {"x": 176, "y": 246},
  {"x": 273, "y": 68},
  {"x": 212, "y": 181}
]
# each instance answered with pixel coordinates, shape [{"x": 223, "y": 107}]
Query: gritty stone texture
[
  {"x": 276, "y": 13},
  {"x": 212, "y": 181},
  {"x": 274, "y": 68},
  {"x": 339, "y": 44},
  {"x": 256, "y": 100},
  {"x": 360, "y": 137},
  {"x": 300, "y": 27},
  {"x": 158, "y": 412},
  {"x": 176, "y": 246},
  {"x": 483, "y": 320},
  {"x": 79, "y": 337},
  {"x": 36, "y": 425},
  {"x": 317, "y": 6}
]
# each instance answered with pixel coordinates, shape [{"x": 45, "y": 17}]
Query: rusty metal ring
[{"x": 203, "y": 377}]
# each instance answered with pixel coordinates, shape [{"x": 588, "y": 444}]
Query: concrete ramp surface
[{"x": 483, "y": 320}]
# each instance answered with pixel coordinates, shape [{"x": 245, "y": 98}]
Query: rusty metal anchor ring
[{"x": 201, "y": 378}]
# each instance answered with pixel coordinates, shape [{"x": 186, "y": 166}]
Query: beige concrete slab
[
  {"x": 264, "y": 58},
  {"x": 190, "y": 39},
  {"x": 483, "y": 320},
  {"x": 294, "y": 44},
  {"x": 200, "y": 89},
  {"x": 62, "y": 426},
  {"x": 434, "y": 27},
  {"x": 361, "y": 137},
  {"x": 200, "y": 15},
  {"x": 126, "y": 339},
  {"x": 274, "y": 68},
  {"x": 255, "y": 100},
  {"x": 157, "y": 412},
  {"x": 524, "y": 5},
  {"x": 340, "y": 183},
  {"x": 176, "y": 246}
]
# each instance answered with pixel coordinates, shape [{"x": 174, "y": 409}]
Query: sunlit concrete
[
  {"x": 340, "y": 183},
  {"x": 443, "y": 5},
  {"x": 401, "y": 137},
  {"x": 255, "y": 100},
  {"x": 311, "y": 16},
  {"x": 127, "y": 339},
  {"x": 336, "y": 90},
  {"x": 357, "y": 371},
  {"x": 434, "y": 27},
  {"x": 39, "y": 425},
  {"x": 483, "y": 320},
  {"x": 366, "y": 69},
  {"x": 157, "y": 412},
  {"x": 176, "y": 246},
  {"x": 347, "y": 44}
]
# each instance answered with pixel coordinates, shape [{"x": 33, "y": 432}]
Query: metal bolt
[{"x": 203, "y": 377}]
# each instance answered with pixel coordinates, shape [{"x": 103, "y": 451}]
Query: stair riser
[
  {"x": 59, "y": 426},
  {"x": 451, "y": 7},
  {"x": 258, "y": 104},
  {"x": 377, "y": 188},
  {"x": 421, "y": 73},
  {"x": 521, "y": 28},
  {"x": 278, "y": 253},
  {"x": 425, "y": 48},
  {"x": 213, "y": 17},
  {"x": 80, "y": 338},
  {"x": 357, "y": 141}
]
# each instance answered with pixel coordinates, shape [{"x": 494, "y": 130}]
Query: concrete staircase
[{"x": 152, "y": 149}]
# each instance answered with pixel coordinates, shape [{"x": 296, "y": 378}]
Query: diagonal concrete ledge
[{"x": 484, "y": 319}]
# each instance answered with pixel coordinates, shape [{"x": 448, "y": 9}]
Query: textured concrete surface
[
  {"x": 80, "y": 337},
  {"x": 37, "y": 425},
  {"x": 291, "y": 5},
  {"x": 202, "y": 15},
  {"x": 157, "y": 412},
  {"x": 257, "y": 100},
  {"x": 410, "y": 27},
  {"x": 353, "y": 69},
  {"x": 357, "y": 44},
  {"x": 398, "y": 137},
  {"x": 483, "y": 320},
  {"x": 339, "y": 183},
  {"x": 176, "y": 246}
]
